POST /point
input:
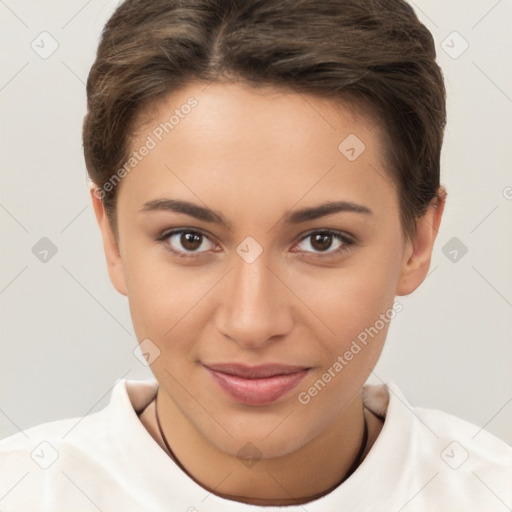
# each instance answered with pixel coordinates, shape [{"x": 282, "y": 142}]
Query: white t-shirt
[{"x": 423, "y": 460}]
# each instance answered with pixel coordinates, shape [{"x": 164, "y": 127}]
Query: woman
[{"x": 266, "y": 179}]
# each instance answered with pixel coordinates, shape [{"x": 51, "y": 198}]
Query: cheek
[
  {"x": 163, "y": 297},
  {"x": 351, "y": 298},
  {"x": 357, "y": 306},
  {"x": 167, "y": 299}
]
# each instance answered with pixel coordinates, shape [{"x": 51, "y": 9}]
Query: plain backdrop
[{"x": 66, "y": 334}]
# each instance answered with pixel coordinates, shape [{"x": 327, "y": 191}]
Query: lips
[{"x": 256, "y": 385}]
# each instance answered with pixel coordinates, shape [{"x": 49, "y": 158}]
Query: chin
[
  {"x": 265, "y": 438},
  {"x": 249, "y": 448}
]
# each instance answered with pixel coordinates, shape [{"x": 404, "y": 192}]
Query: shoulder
[
  {"x": 42, "y": 463},
  {"x": 463, "y": 443},
  {"x": 463, "y": 437},
  {"x": 74, "y": 431},
  {"x": 445, "y": 459},
  {"x": 88, "y": 431},
  {"x": 433, "y": 426},
  {"x": 43, "y": 445},
  {"x": 78, "y": 461},
  {"x": 469, "y": 465}
]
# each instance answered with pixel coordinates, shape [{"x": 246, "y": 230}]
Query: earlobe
[
  {"x": 418, "y": 252},
  {"x": 110, "y": 244}
]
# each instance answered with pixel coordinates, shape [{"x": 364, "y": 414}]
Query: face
[{"x": 258, "y": 230}]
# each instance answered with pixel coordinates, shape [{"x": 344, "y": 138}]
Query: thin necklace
[{"x": 354, "y": 466}]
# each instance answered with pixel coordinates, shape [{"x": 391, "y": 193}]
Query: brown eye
[
  {"x": 321, "y": 241},
  {"x": 325, "y": 243},
  {"x": 187, "y": 243},
  {"x": 191, "y": 241}
]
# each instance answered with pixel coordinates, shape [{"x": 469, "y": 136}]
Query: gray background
[{"x": 66, "y": 335}]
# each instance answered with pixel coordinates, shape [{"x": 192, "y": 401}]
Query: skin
[{"x": 254, "y": 155}]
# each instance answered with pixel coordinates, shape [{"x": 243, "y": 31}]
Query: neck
[{"x": 305, "y": 474}]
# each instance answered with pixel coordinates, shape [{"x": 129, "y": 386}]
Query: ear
[
  {"x": 418, "y": 252},
  {"x": 110, "y": 244}
]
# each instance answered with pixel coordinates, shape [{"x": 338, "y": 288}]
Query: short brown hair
[{"x": 366, "y": 52}]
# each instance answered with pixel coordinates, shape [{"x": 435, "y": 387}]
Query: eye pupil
[
  {"x": 191, "y": 241},
  {"x": 321, "y": 241}
]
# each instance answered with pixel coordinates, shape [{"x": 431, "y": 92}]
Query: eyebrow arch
[
  {"x": 297, "y": 217},
  {"x": 325, "y": 209},
  {"x": 194, "y": 210}
]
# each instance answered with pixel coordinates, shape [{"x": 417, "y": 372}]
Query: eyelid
[
  {"x": 335, "y": 232},
  {"x": 176, "y": 231},
  {"x": 346, "y": 239}
]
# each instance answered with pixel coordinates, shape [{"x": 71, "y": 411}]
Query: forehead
[
  {"x": 221, "y": 108},
  {"x": 271, "y": 142}
]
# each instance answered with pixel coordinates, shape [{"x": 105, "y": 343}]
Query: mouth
[{"x": 256, "y": 385}]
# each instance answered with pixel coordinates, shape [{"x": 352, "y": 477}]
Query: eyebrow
[{"x": 296, "y": 217}]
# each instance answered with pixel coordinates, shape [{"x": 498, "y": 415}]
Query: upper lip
[{"x": 255, "y": 372}]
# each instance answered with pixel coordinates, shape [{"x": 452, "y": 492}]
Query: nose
[{"x": 254, "y": 309}]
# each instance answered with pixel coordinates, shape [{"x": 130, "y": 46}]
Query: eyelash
[{"x": 347, "y": 243}]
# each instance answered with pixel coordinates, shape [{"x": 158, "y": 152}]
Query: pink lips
[{"x": 256, "y": 385}]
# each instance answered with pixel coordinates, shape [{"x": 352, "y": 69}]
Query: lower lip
[{"x": 257, "y": 391}]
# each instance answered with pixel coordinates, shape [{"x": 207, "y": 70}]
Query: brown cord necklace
[{"x": 351, "y": 470}]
